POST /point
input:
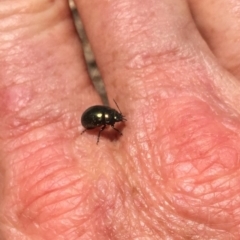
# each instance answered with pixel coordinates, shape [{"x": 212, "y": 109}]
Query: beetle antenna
[
  {"x": 117, "y": 106},
  {"x": 124, "y": 119}
]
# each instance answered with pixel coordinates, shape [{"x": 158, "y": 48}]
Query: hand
[{"x": 173, "y": 68}]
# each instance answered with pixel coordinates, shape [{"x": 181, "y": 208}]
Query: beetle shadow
[
  {"x": 108, "y": 132},
  {"x": 112, "y": 134}
]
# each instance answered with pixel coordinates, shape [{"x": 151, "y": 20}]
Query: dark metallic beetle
[{"x": 101, "y": 116}]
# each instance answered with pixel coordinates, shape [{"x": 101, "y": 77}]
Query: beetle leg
[
  {"x": 99, "y": 133},
  {"x": 116, "y": 130},
  {"x": 83, "y": 131}
]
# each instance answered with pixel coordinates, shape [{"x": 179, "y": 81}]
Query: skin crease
[{"x": 174, "y": 174}]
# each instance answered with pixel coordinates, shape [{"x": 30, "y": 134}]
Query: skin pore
[{"x": 173, "y": 67}]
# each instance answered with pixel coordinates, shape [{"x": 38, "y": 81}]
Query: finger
[
  {"x": 133, "y": 40},
  {"x": 43, "y": 73},
  {"x": 218, "y": 22}
]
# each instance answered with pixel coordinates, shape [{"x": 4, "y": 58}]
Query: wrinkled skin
[{"x": 173, "y": 67}]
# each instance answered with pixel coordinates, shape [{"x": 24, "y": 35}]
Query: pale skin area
[{"x": 173, "y": 68}]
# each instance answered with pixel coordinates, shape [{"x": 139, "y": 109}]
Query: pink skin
[{"x": 173, "y": 68}]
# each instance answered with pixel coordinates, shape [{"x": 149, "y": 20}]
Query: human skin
[{"x": 173, "y": 68}]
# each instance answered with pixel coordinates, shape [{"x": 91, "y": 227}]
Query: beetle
[{"x": 101, "y": 116}]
